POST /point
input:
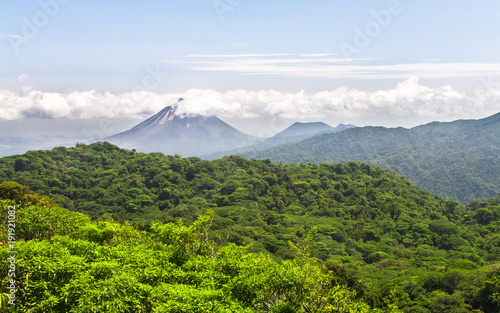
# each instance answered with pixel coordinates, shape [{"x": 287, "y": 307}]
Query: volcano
[{"x": 183, "y": 134}]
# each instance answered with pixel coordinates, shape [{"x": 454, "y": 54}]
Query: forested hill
[
  {"x": 458, "y": 160},
  {"x": 103, "y": 180},
  {"x": 380, "y": 235}
]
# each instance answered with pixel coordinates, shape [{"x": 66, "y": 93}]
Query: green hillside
[
  {"x": 458, "y": 160},
  {"x": 377, "y": 233},
  {"x": 65, "y": 263}
]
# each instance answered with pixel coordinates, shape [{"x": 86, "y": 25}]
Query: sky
[{"x": 260, "y": 65}]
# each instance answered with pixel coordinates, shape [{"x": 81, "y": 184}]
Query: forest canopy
[
  {"x": 367, "y": 229},
  {"x": 66, "y": 263}
]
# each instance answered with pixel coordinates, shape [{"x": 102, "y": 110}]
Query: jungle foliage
[
  {"x": 66, "y": 263},
  {"x": 392, "y": 244}
]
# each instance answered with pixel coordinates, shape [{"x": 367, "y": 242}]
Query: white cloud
[
  {"x": 408, "y": 99},
  {"x": 238, "y": 55},
  {"x": 328, "y": 66},
  {"x": 12, "y": 36}
]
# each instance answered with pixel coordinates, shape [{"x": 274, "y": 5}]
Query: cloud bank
[{"x": 406, "y": 99}]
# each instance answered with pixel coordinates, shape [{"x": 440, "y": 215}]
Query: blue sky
[{"x": 162, "y": 46}]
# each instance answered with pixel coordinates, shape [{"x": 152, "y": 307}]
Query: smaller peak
[
  {"x": 306, "y": 128},
  {"x": 345, "y": 126},
  {"x": 309, "y": 123}
]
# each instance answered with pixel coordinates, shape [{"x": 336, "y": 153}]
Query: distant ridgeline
[
  {"x": 458, "y": 160},
  {"x": 395, "y": 245}
]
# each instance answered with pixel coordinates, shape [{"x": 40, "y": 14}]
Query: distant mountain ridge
[
  {"x": 457, "y": 160},
  {"x": 294, "y": 133},
  {"x": 209, "y": 137},
  {"x": 300, "y": 129},
  {"x": 183, "y": 134}
]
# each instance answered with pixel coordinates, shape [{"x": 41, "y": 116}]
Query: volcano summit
[{"x": 184, "y": 134}]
